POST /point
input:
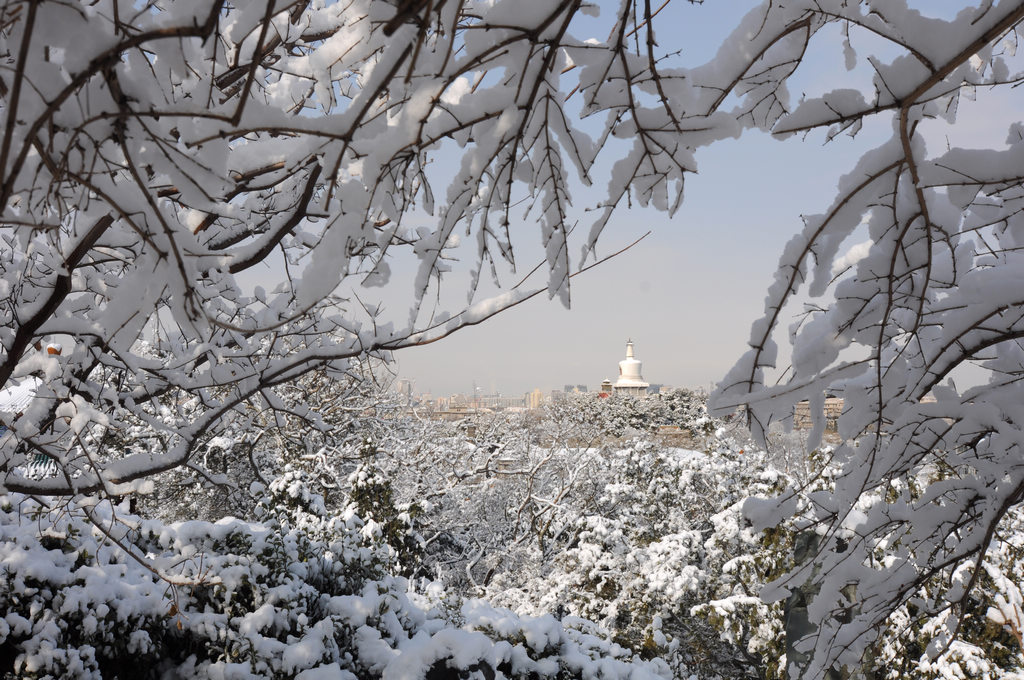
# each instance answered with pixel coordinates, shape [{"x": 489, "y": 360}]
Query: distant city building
[
  {"x": 498, "y": 401},
  {"x": 534, "y": 399},
  {"x": 630, "y": 382},
  {"x": 404, "y": 387},
  {"x": 803, "y": 419}
]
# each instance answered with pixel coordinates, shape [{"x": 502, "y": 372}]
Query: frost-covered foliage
[{"x": 299, "y": 595}]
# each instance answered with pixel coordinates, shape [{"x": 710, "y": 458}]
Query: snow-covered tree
[
  {"x": 324, "y": 424},
  {"x": 923, "y": 289},
  {"x": 159, "y": 160},
  {"x": 681, "y": 409},
  {"x": 157, "y": 157},
  {"x": 663, "y": 538}
]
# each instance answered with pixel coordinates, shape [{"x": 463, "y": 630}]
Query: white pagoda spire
[{"x": 630, "y": 381}]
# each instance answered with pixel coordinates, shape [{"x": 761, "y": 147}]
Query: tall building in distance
[
  {"x": 404, "y": 387},
  {"x": 534, "y": 399},
  {"x": 630, "y": 382}
]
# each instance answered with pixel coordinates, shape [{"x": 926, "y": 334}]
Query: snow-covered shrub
[
  {"x": 372, "y": 497},
  {"x": 650, "y": 551},
  {"x": 89, "y": 591}
]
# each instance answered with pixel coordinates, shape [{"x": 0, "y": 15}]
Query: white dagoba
[{"x": 630, "y": 380}]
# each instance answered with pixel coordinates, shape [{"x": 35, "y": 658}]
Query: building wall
[{"x": 802, "y": 414}]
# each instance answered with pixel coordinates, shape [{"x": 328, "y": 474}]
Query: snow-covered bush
[
  {"x": 372, "y": 497},
  {"x": 89, "y": 591},
  {"x": 662, "y": 539}
]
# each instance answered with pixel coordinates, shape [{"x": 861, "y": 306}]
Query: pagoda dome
[{"x": 630, "y": 375}]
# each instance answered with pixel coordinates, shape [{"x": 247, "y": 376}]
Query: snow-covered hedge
[
  {"x": 88, "y": 591},
  {"x": 664, "y": 538}
]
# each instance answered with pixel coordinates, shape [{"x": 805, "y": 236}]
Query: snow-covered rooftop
[{"x": 15, "y": 399}]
